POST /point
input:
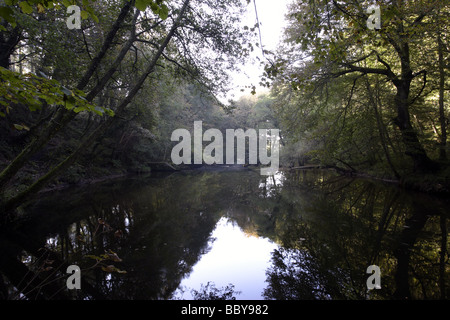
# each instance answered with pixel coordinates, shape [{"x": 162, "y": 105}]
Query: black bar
[{"x": 201, "y": 309}]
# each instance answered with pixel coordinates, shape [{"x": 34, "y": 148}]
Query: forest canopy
[
  {"x": 74, "y": 96},
  {"x": 366, "y": 98}
]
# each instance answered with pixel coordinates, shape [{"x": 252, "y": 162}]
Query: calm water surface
[{"x": 229, "y": 234}]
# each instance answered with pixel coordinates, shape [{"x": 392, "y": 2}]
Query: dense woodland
[{"x": 83, "y": 104}]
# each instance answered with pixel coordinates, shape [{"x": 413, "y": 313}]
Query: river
[{"x": 229, "y": 234}]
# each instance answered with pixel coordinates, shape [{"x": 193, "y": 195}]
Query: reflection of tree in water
[
  {"x": 296, "y": 275},
  {"x": 332, "y": 236},
  {"x": 157, "y": 229},
  {"x": 330, "y": 229},
  {"x": 211, "y": 292}
]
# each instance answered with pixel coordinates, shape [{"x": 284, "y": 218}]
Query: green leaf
[
  {"x": 111, "y": 268},
  {"x": 113, "y": 256},
  {"x": 109, "y": 112},
  {"x": 66, "y": 3},
  {"x": 79, "y": 109},
  {"x": 141, "y": 4},
  {"x": 7, "y": 14},
  {"x": 97, "y": 111},
  {"x": 41, "y": 8},
  {"x": 95, "y": 18},
  {"x": 84, "y": 14},
  {"x": 163, "y": 12},
  {"x": 92, "y": 14},
  {"x": 154, "y": 7},
  {"x": 26, "y": 8}
]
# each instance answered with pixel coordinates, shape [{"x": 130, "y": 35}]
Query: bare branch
[
  {"x": 424, "y": 72},
  {"x": 106, "y": 45}
]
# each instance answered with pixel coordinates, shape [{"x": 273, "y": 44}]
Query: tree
[
  {"x": 159, "y": 40},
  {"x": 442, "y": 117},
  {"x": 330, "y": 40}
]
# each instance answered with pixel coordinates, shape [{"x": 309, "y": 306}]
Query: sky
[
  {"x": 234, "y": 258},
  {"x": 271, "y": 16}
]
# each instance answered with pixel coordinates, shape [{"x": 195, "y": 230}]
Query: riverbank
[
  {"x": 435, "y": 184},
  {"x": 160, "y": 167},
  {"x": 431, "y": 184}
]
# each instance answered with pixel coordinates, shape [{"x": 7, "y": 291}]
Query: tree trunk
[
  {"x": 7, "y": 46},
  {"x": 381, "y": 128},
  {"x": 442, "y": 118},
  {"x": 68, "y": 161},
  {"x": 414, "y": 149},
  {"x": 408, "y": 237},
  {"x": 442, "y": 254},
  {"x": 55, "y": 124},
  {"x": 62, "y": 116}
]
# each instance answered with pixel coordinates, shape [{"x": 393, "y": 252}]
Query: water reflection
[
  {"x": 330, "y": 238},
  {"x": 311, "y": 235},
  {"x": 236, "y": 258}
]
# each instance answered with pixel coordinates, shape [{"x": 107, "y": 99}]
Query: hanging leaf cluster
[
  {"x": 107, "y": 256},
  {"x": 157, "y": 6},
  {"x": 8, "y": 13},
  {"x": 33, "y": 91}
]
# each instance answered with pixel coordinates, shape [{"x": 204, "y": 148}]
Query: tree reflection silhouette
[
  {"x": 330, "y": 238},
  {"x": 329, "y": 230}
]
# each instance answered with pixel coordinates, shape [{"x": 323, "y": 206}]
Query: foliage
[
  {"x": 361, "y": 99},
  {"x": 117, "y": 61},
  {"x": 101, "y": 259},
  {"x": 329, "y": 229},
  {"x": 32, "y": 91},
  {"x": 210, "y": 292},
  {"x": 41, "y": 6}
]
